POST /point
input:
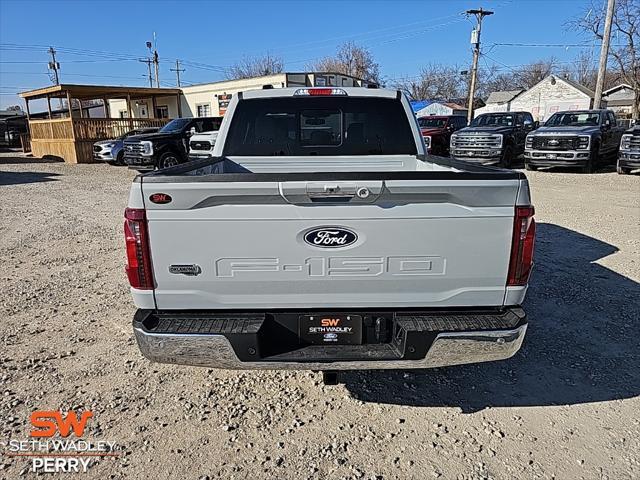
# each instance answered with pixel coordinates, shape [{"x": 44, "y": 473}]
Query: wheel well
[{"x": 169, "y": 149}]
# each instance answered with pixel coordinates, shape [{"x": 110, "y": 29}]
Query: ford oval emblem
[
  {"x": 330, "y": 237},
  {"x": 160, "y": 198}
]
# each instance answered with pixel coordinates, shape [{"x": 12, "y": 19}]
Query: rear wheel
[
  {"x": 168, "y": 159},
  {"x": 623, "y": 171},
  {"x": 507, "y": 157}
]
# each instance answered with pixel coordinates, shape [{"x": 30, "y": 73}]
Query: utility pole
[
  {"x": 148, "y": 62},
  {"x": 54, "y": 65},
  {"x": 177, "y": 70},
  {"x": 604, "y": 53},
  {"x": 156, "y": 60},
  {"x": 475, "y": 40}
]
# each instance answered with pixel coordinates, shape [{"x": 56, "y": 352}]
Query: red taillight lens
[
  {"x": 138, "y": 255},
  {"x": 524, "y": 236}
]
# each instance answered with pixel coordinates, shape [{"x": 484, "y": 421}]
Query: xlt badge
[{"x": 191, "y": 270}]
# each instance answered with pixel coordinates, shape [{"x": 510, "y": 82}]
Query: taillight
[
  {"x": 524, "y": 235},
  {"x": 138, "y": 255}
]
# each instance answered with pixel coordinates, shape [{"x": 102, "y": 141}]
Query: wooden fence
[
  {"x": 72, "y": 138},
  {"x": 104, "y": 128}
]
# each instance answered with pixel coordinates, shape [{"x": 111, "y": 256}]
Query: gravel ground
[{"x": 565, "y": 407}]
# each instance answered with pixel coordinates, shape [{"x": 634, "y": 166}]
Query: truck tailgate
[{"x": 330, "y": 244}]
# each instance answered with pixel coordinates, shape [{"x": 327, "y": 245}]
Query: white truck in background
[
  {"x": 319, "y": 235},
  {"x": 201, "y": 145}
]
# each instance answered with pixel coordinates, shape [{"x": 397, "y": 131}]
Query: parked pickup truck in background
[
  {"x": 201, "y": 145},
  {"x": 577, "y": 138},
  {"x": 321, "y": 236},
  {"x": 112, "y": 151},
  {"x": 437, "y": 129},
  {"x": 629, "y": 156},
  {"x": 167, "y": 147},
  {"x": 493, "y": 138}
]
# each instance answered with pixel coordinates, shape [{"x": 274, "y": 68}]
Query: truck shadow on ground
[
  {"x": 18, "y": 178},
  {"x": 8, "y": 159},
  {"x": 582, "y": 344}
]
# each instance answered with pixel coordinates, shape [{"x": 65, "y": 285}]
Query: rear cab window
[{"x": 319, "y": 126}]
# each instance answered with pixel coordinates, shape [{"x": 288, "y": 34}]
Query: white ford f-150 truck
[{"x": 321, "y": 236}]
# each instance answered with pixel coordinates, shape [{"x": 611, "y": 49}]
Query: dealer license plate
[{"x": 331, "y": 329}]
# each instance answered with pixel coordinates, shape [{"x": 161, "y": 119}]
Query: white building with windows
[{"x": 212, "y": 99}]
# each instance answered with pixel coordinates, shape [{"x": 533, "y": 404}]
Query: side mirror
[
  {"x": 527, "y": 123},
  {"x": 606, "y": 125},
  {"x": 536, "y": 124}
]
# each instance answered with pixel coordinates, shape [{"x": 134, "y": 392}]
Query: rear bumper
[{"x": 257, "y": 341}]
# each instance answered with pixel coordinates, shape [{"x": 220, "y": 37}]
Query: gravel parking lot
[{"x": 565, "y": 407}]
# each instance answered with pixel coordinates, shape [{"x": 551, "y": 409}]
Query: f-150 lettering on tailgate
[{"x": 333, "y": 266}]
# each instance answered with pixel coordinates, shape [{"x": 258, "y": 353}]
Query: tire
[
  {"x": 120, "y": 158},
  {"x": 531, "y": 168},
  {"x": 623, "y": 171},
  {"x": 507, "y": 157},
  {"x": 589, "y": 167},
  {"x": 168, "y": 159}
]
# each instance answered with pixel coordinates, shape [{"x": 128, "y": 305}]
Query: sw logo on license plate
[{"x": 331, "y": 329}]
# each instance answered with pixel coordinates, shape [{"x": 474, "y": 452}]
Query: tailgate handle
[
  {"x": 336, "y": 192},
  {"x": 330, "y": 192}
]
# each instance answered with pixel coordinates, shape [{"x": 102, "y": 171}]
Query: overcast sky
[{"x": 100, "y": 42}]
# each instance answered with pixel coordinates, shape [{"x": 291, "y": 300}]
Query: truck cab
[
  {"x": 493, "y": 138},
  {"x": 167, "y": 147}
]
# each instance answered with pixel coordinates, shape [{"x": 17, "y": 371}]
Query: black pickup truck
[
  {"x": 629, "y": 156},
  {"x": 493, "y": 138},
  {"x": 167, "y": 147},
  {"x": 577, "y": 138}
]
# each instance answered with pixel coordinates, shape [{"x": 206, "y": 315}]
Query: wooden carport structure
[{"x": 70, "y": 135}]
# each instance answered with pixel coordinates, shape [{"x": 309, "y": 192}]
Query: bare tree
[
  {"x": 256, "y": 67},
  {"x": 350, "y": 59},
  {"x": 435, "y": 81},
  {"x": 584, "y": 70},
  {"x": 529, "y": 75},
  {"x": 625, "y": 48}
]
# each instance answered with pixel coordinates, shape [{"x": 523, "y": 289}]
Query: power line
[
  {"x": 542, "y": 45},
  {"x": 74, "y": 75}
]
